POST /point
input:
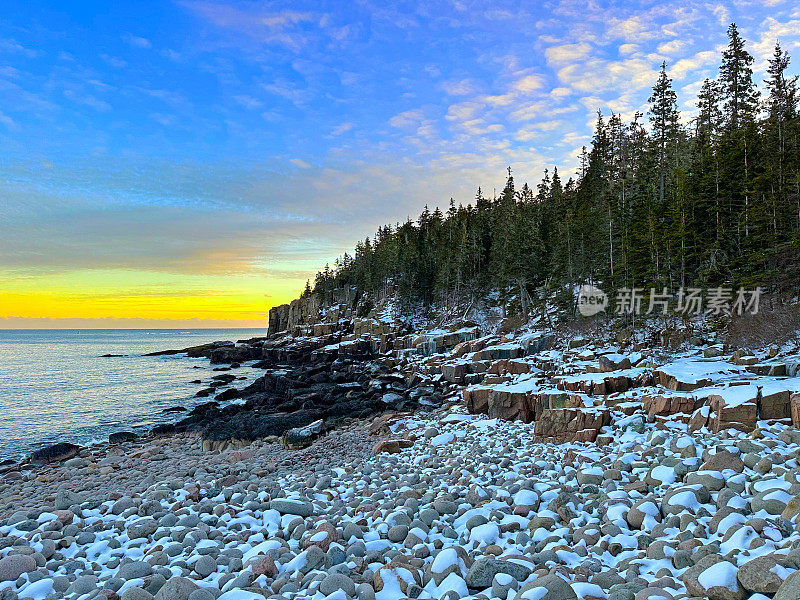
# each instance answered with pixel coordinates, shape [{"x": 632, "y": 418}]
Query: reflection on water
[{"x": 56, "y": 386}]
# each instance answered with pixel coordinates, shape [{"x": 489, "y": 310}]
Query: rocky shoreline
[
  {"x": 472, "y": 507},
  {"x": 372, "y": 463},
  {"x": 305, "y": 381}
]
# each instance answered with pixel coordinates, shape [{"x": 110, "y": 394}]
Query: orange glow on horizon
[{"x": 126, "y": 299}]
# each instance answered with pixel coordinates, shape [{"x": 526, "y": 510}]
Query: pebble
[
  {"x": 11, "y": 567},
  {"x": 490, "y": 513}
]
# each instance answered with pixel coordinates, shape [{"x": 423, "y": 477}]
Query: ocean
[{"x": 55, "y": 385}]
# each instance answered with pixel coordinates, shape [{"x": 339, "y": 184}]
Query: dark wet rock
[
  {"x": 228, "y": 394},
  {"x": 119, "y": 437},
  {"x": 56, "y": 452},
  {"x": 302, "y": 437},
  {"x": 309, "y": 383},
  {"x": 204, "y": 350},
  {"x": 164, "y": 429}
]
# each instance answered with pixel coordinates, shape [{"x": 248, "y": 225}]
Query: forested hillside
[{"x": 656, "y": 203}]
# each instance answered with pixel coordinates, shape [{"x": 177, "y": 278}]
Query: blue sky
[{"x": 211, "y": 149}]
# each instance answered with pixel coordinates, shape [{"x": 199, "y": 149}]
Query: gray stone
[
  {"x": 475, "y": 521},
  {"x": 790, "y": 588},
  {"x": 205, "y": 566},
  {"x": 773, "y": 506},
  {"x": 142, "y": 528},
  {"x": 365, "y": 591},
  {"x": 397, "y": 533},
  {"x": 83, "y": 585},
  {"x": 500, "y": 590},
  {"x": 176, "y": 588},
  {"x": 66, "y": 498},
  {"x": 557, "y": 589},
  {"x": 691, "y": 580},
  {"x": 203, "y": 594},
  {"x": 723, "y": 460},
  {"x": 606, "y": 579},
  {"x": 121, "y": 505},
  {"x": 337, "y": 581},
  {"x": 335, "y": 555},
  {"x": 445, "y": 507},
  {"x": 11, "y": 567},
  {"x": 314, "y": 558},
  {"x": 351, "y": 530},
  {"x": 292, "y": 507},
  {"x": 136, "y": 593},
  {"x": 134, "y": 570},
  {"x": 85, "y": 538},
  {"x": 682, "y": 559},
  {"x": 757, "y": 576},
  {"x": 671, "y": 504},
  {"x": 61, "y": 583},
  {"x": 710, "y": 479},
  {"x": 482, "y": 572},
  {"x": 591, "y": 478}
]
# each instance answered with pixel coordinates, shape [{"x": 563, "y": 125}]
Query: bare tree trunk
[
  {"x": 746, "y": 195},
  {"x": 523, "y": 297}
]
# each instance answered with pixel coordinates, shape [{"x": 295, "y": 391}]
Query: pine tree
[
  {"x": 715, "y": 203},
  {"x": 740, "y": 106},
  {"x": 664, "y": 113},
  {"x": 782, "y": 101},
  {"x": 739, "y": 93}
]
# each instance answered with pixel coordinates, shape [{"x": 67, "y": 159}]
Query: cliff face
[
  {"x": 309, "y": 310},
  {"x": 300, "y": 311}
]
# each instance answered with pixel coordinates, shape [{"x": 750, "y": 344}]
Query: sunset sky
[{"x": 192, "y": 163}]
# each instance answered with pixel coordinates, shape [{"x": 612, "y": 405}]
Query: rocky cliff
[
  {"x": 300, "y": 311},
  {"x": 310, "y": 310}
]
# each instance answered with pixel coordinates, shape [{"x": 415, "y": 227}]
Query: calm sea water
[{"x": 56, "y": 386}]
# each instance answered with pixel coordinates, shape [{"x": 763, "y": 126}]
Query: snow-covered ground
[
  {"x": 677, "y": 476},
  {"x": 473, "y": 508}
]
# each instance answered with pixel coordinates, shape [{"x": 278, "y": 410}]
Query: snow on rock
[{"x": 632, "y": 505}]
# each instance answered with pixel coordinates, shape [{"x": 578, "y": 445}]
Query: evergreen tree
[
  {"x": 739, "y": 93},
  {"x": 652, "y": 206},
  {"x": 664, "y": 120}
]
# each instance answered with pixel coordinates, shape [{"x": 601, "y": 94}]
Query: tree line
[{"x": 656, "y": 203}]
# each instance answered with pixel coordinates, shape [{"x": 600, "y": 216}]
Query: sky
[{"x": 191, "y": 163}]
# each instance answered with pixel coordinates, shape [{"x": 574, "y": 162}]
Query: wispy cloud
[
  {"x": 302, "y": 164},
  {"x": 343, "y": 128},
  {"x": 567, "y": 53},
  {"x": 461, "y": 87},
  {"x": 255, "y": 141},
  {"x": 248, "y": 101},
  {"x": 87, "y": 100},
  {"x": 11, "y": 46},
  {"x": 136, "y": 41},
  {"x": 282, "y": 27}
]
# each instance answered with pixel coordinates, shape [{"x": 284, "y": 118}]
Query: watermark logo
[
  {"x": 688, "y": 301},
  {"x": 591, "y": 300}
]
